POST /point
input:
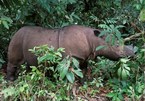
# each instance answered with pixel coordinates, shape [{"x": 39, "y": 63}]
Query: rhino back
[
  {"x": 36, "y": 36},
  {"x": 75, "y": 40}
]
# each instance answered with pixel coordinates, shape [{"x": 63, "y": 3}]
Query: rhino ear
[{"x": 96, "y": 32}]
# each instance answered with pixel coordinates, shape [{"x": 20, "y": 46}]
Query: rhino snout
[{"x": 129, "y": 51}]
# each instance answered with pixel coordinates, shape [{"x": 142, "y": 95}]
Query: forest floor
[
  {"x": 101, "y": 96},
  {"x": 86, "y": 95}
]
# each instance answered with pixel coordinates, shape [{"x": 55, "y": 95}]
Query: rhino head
[
  {"x": 111, "y": 52},
  {"x": 116, "y": 52}
]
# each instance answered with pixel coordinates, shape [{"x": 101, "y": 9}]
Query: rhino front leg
[{"x": 11, "y": 72}]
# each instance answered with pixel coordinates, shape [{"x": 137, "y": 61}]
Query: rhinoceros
[{"x": 79, "y": 42}]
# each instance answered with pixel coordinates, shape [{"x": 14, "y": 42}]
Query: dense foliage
[{"x": 116, "y": 80}]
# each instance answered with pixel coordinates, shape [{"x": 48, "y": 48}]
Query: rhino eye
[{"x": 96, "y": 32}]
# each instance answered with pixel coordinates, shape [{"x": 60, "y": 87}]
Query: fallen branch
[
  {"x": 140, "y": 32},
  {"x": 133, "y": 36},
  {"x": 135, "y": 27}
]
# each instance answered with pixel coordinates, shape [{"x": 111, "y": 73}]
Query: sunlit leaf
[
  {"x": 59, "y": 54},
  {"x": 128, "y": 68},
  {"x": 103, "y": 26},
  {"x": 119, "y": 26},
  {"x": 8, "y": 92},
  {"x": 124, "y": 60},
  {"x": 142, "y": 15},
  {"x": 61, "y": 49}
]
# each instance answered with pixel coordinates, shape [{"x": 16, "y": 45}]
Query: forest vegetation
[{"x": 122, "y": 80}]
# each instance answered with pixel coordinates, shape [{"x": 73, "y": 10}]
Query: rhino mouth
[{"x": 128, "y": 51}]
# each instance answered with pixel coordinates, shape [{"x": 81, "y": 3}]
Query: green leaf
[
  {"x": 1, "y": 60},
  {"x": 63, "y": 72},
  {"x": 138, "y": 6},
  {"x": 42, "y": 58},
  {"x": 119, "y": 72},
  {"x": 65, "y": 69},
  {"x": 100, "y": 47},
  {"x": 22, "y": 88},
  {"x": 110, "y": 95},
  {"x": 124, "y": 60},
  {"x": 119, "y": 26},
  {"x": 113, "y": 40},
  {"x": 79, "y": 73},
  {"x": 118, "y": 34},
  {"x": 127, "y": 68},
  {"x": 70, "y": 77},
  {"x": 124, "y": 21},
  {"x": 142, "y": 50},
  {"x": 9, "y": 92},
  {"x": 127, "y": 72},
  {"x": 124, "y": 73},
  {"x": 59, "y": 54},
  {"x": 104, "y": 26},
  {"x": 71, "y": 1},
  {"x": 112, "y": 26},
  {"x": 141, "y": 1},
  {"x": 75, "y": 62},
  {"x": 117, "y": 99},
  {"x": 142, "y": 15},
  {"x": 5, "y": 24},
  {"x": 108, "y": 38},
  {"x": 60, "y": 50},
  {"x": 103, "y": 33}
]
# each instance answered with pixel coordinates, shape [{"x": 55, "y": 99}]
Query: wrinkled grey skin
[{"x": 78, "y": 41}]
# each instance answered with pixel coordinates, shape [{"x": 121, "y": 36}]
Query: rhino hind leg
[
  {"x": 12, "y": 67},
  {"x": 11, "y": 72}
]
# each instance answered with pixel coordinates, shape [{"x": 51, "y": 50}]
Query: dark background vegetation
[{"x": 58, "y": 13}]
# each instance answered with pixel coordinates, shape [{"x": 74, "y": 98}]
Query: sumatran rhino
[{"x": 78, "y": 41}]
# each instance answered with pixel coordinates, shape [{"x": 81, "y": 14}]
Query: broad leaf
[
  {"x": 75, "y": 62},
  {"x": 64, "y": 71},
  {"x": 119, "y": 72},
  {"x": 110, "y": 95},
  {"x": 124, "y": 60},
  {"x": 70, "y": 77},
  {"x": 5, "y": 24},
  {"x": 142, "y": 15},
  {"x": 124, "y": 74},
  {"x": 79, "y": 73},
  {"x": 118, "y": 34}
]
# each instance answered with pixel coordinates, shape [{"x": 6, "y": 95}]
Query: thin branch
[
  {"x": 133, "y": 36},
  {"x": 135, "y": 27}
]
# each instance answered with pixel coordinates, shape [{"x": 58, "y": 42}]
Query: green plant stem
[{"x": 136, "y": 75}]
